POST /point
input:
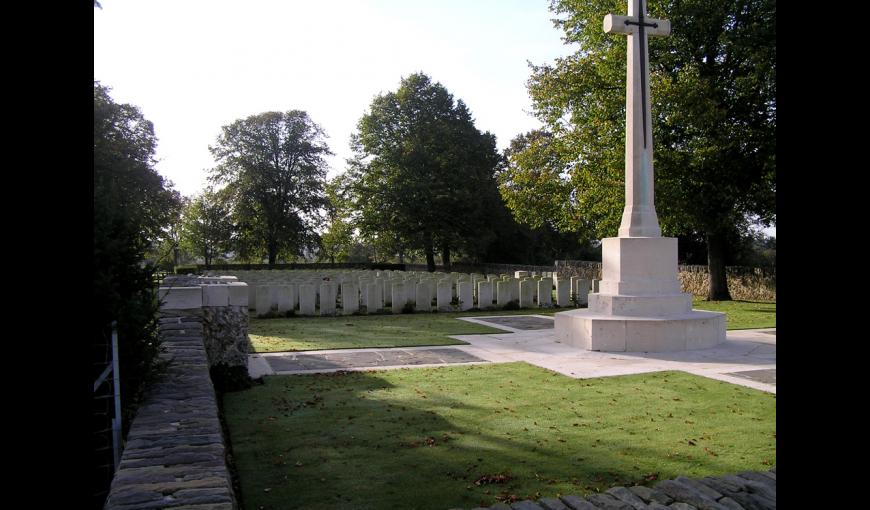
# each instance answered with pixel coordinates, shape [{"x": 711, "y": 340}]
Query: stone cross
[{"x": 639, "y": 216}]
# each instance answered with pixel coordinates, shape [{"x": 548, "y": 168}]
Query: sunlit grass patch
[{"x": 472, "y": 435}]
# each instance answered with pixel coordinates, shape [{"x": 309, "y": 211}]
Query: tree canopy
[
  {"x": 207, "y": 228},
  {"x": 133, "y": 205},
  {"x": 713, "y": 88},
  {"x": 423, "y": 175},
  {"x": 273, "y": 170}
]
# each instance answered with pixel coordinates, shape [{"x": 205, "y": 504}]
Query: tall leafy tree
[
  {"x": 532, "y": 183},
  {"x": 133, "y": 205},
  {"x": 207, "y": 227},
  {"x": 423, "y": 174},
  {"x": 273, "y": 169},
  {"x": 713, "y": 86},
  {"x": 167, "y": 252},
  {"x": 337, "y": 242}
]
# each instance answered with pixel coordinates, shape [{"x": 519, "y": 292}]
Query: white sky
[{"x": 194, "y": 66}]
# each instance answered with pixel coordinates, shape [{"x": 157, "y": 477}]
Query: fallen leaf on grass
[{"x": 496, "y": 478}]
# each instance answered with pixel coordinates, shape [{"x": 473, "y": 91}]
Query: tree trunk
[
  {"x": 716, "y": 249},
  {"x": 272, "y": 247},
  {"x": 445, "y": 256},
  {"x": 430, "y": 252}
]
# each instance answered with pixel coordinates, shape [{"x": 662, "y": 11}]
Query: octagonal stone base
[{"x": 595, "y": 331}]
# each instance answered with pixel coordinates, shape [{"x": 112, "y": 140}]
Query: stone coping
[{"x": 175, "y": 454}]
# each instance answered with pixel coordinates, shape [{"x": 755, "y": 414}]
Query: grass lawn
[
  {"x": 364, "y": 331},
  {"x": 408, "y": 330},
  {"x": 742, "y": 314},
  {"x": 472, "y": 435}
]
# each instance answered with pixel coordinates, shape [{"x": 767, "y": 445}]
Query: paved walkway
[
  {"x": 748, "y": 490},
  {"x": 747, "y": 357}
]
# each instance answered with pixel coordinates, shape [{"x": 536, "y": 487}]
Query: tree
[
  {"x": 531, "y": 183},
  {"x": 207, "y": 227},
  {"x": 337, "y": 242},
  {"x": 423, "y": 175},
  {"x": 713, "y": 86},
  {"x": 133, "y": 205},
  {"x": 166, "y": 251},
  {"x": 273, "y": 169}
]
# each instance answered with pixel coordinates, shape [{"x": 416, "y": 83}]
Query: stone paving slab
[
  {"x": 767, "y": 376},
  {"x": 520, "y": 322},
  {"x": 742, "y": 351},
  {"x": 747, "y": 357},
  {"x": 295, "y": 362}
]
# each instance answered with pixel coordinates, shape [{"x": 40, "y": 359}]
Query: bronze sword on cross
[
  {"x": 623, "y": 24},
  {"x": 639, "y": 218}
]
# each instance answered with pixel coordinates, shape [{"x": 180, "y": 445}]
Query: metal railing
[{"x": 113, "y": 369}]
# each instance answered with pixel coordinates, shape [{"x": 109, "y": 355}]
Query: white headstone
[
  {"x": 285, "y": 298},
  {"x": 545, "y": 292},
  {"x": 484, "y": 294},
  {"x": 264, "y": 303},
  {"x": 465, "y": 289},
  {"x": 423, "y": 302},
  {"x": 445, "y": 295},
  {"x": 349, "y": 298},
  {"x": 397, "y": 296},
  {"x": 307, "y": 298},
  {"x": 373, "y": 297},
  {"x": 503, "y": 293},
  {"x": 563, "y": 292},
  {"x": 527, "y": 294},
  {"x": 327, "y": 299}
]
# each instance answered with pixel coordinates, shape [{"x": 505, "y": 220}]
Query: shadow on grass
[{"x": 357, "y": 440}]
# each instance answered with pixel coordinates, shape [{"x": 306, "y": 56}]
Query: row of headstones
[{"x": 374, "y": 291}]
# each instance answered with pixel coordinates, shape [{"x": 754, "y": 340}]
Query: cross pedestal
[{"x": 639, "y": 306}]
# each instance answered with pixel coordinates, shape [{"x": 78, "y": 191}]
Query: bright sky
[{"x": 194, "y": 66}]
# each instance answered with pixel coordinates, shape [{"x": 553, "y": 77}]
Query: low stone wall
[
  {"x": 749, "y": 490},
  {"x": 222, "y": 304},
  {"x": 175, "y": 454},
  {"x": 746, "y": 283}
]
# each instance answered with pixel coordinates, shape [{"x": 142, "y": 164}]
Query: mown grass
[
  {"x": 369, "y": 331},
  {"x": 742, "y": 314},
  {"x": 467, "y": 436}
]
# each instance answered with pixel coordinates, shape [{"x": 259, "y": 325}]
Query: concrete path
[{"x": 747, "y": 357}]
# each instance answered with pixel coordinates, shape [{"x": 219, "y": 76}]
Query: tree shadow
[{"x": 356, "y": 440}]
